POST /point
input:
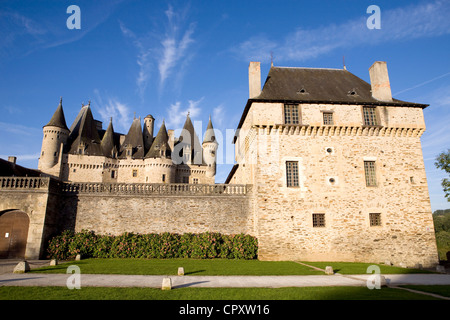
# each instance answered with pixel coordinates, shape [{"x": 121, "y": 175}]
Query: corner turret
[{"x": 55, "y": 134}]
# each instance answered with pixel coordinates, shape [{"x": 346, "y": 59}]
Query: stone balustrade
[
  {"x": 155, "y": 188},
  {"x": 24, "y": 182}
]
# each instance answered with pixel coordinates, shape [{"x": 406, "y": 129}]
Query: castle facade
[
  {"x": 327, "y": 167},
  {"x": 88, "y": 153}
]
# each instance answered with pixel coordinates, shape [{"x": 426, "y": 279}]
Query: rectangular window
[
  {"x": 328, "y": 118},
  {"x": 292, "y": 173},
  {"x": 370, "y": 118},
  {"x": 375, "y": 219},
  {"x": 185, "y": 180},
  {"x": 163, "y": 178},
  {"x": 291, "y": 114},
  {"x": 113, "y": 174},
  {"x": 318, "y": 220},
  {"x": 195, "y": 180},
  {"x": 369, "y": 170},
  {"x": 134, "y": 173}
]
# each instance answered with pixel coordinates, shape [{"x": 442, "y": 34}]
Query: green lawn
[
  {"x": 360, "y": 268},
  {"x": 214, "y": 267},
  {"x": 191, "y": 267},
  {"x": 307, "y": 293}
]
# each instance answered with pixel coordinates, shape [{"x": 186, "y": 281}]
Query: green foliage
[
  {"x": 162, "y": 246},
  {"x": 441, "y": 219},
  {"x": 443, "y": 162}
]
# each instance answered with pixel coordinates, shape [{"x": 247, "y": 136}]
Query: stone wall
[
  {"x": 156, "y": 208},
  {"x": 332, "y": 182}
]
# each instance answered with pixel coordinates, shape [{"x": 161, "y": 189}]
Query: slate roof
[
  {"x": 85, "y": 132},
  {"x": 9, "y": 169},
  {"x": 134, "y": 139},
  {"x": 316, "y": 85},
  {"x": 210, "y": 135},
  {"x": 58, "y": 119},
  {"x": 161, "y": 141}
]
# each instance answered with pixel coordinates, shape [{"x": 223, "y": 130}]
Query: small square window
[
  {"x": 195, "y": 180},
  {"x": 135, "y": 173},
  {"x": 318, "y": 220},
  {"x": 328, "y": 118},
  {"x": 375, "y": 219}
]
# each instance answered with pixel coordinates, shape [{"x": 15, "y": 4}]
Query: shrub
[{"x": 163, "y": 246}]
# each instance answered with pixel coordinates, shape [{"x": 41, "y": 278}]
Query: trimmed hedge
[{"x": 162, "y": 246}]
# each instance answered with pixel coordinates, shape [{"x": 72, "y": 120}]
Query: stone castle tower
[
  {"x": 337, "y": 167},
  {"x": 87, "y": 153}
]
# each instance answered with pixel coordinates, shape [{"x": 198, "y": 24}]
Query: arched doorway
[{"x": 13, "y": 233}]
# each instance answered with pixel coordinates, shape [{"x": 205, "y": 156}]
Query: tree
[{"x": 443, "y": 162}]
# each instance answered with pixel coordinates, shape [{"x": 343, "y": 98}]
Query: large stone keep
[{"x": 336, "y": 166}]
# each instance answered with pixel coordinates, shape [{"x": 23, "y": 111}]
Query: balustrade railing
[
  {"x": 23, "y": 182},
  {"x": 156, "y": 188}
]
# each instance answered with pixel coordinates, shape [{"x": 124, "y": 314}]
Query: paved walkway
[
  {"x": 7, "y": 278},
  {"x": 153, "y": 281}
]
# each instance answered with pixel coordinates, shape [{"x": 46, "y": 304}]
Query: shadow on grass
[{"x": 194, "y": 272}]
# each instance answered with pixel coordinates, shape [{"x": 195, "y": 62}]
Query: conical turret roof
[
  {"x": 58, "y": 119},
  {"x": 160, "y": 142},
  {"x": 134, "y": 139},
  {"x": 107, "y": 143},
  {"x": 194, "y": 143},
  {"x": 86, "y": 133},
  {"x": 210, "y": 136}
]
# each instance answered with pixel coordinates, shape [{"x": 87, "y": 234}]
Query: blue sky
[{"x": 167, "y": 58}]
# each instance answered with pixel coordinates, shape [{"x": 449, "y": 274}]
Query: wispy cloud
[
  {"x": 177, "y": 113},
  {"x": 162, "y": 54},
  {"x": 405, "y": 23},
  {"x": 112, "y": 107},
  {"x": 23, "y": 34},
  {"x": 18, "y": 129}
]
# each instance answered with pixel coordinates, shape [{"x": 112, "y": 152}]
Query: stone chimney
[
  {"x": 379, "y": 81},
  {"x": 12, "y": 159},
  {"x": 254, "y": 79}
]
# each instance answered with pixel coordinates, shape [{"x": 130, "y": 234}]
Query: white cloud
[
  {"x": 120, "y": 113},
  {"x": 404, "y": 23},
  {"x": 170, "y": 51},
  {"x": 177, "y": 113},
  {"x": 218, "y": 116}
]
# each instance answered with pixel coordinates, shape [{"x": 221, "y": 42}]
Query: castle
[
  {"x": 87, "y": 153},
  {"x": 328, "y": 168}
]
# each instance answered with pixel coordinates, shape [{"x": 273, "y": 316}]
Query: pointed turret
[
  {"x": 133, "y": 145},
  {"x": 209, "y": 134},
  {"x": 108, "y": 146},
  {"x": 58, "y": 119},
  {"x": 56, "y": 134},
  {"x": 209, "y": 149},
  {"x": 192, "y": 151},
  {"x": 160, "y": 146},
  {"x": 85, "y": 138}
]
